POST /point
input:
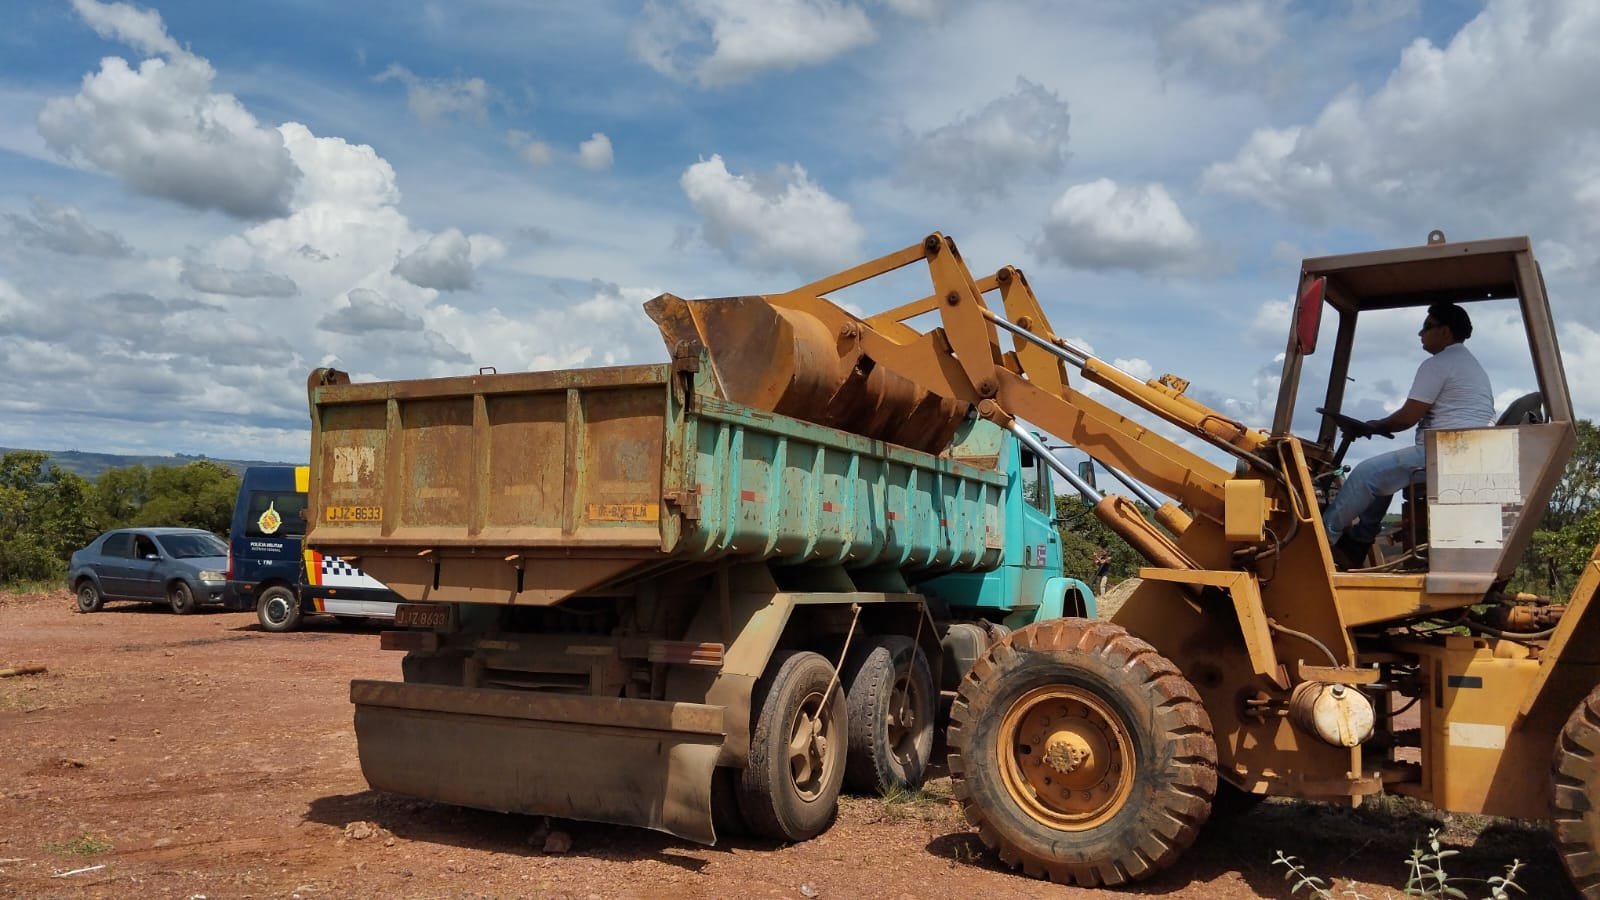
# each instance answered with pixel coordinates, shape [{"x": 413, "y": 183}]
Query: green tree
[
  {"x": 197, "y": 495},
  {"x": 1082, "y": 533},
  {"x": 119, "y": 494},
  {"x": 1570, "y": 528},
  {"x": 44, "y": 516}
]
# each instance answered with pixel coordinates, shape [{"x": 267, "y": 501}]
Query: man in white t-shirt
[{"x": 1450, "y": 390}]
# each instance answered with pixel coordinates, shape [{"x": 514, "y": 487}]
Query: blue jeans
[{"x": 1367, "y": 492}]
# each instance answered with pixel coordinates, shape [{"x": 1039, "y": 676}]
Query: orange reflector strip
[{"x": 686, "y": 653}]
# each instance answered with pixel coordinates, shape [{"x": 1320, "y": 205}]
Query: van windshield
[{"x": 275, "y": 514}]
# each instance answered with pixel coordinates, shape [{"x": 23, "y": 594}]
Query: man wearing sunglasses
[{"x": 1450, "y": 390}]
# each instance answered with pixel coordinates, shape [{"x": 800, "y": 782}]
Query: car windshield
[{"x": 193, "y": 546}]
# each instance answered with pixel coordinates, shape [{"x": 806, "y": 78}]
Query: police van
[{"x": 271, "y": 572}]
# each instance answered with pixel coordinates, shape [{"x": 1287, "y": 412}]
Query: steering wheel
[{"x": 1354, "y": 428}]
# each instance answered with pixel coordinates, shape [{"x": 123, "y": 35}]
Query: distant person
[
  {"x": 1450, "y": 390},
  {"x": 1102, "y": 569}
]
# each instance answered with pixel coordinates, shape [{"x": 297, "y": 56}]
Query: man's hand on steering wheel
[{"x": 1354, "y": 427}]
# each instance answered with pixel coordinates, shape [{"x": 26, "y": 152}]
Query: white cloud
[
  {"x": 367, "y": 311},
  {"x": 778, "y": 221},
  {"x": 919, "y": 9},
  {"x": 1102, "y": 225},
  {"x": 141, "y": 29},
  {"x": 443, "y": 263},
  {"x": 722, "y": 42},
  {"x": 432, "y": 99},
  {"x": 161, "y": 131},
  {"x": 984, "y": 153},
  {"x": 1223, "y": 36},
  {"x": 233, "y": 282},
  {"x": 533, "y": 151},
  {"x": 1479, "y": 136},
  {"x": 54, "y": 226},
  {"x": 595, "y": 153}
]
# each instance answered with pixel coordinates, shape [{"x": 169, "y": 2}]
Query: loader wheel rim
[
  {"x": 810, "y": 739},
  {"x": 1067, "y": 759}
]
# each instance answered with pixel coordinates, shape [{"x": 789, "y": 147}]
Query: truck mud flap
[{"x": 645, "y": 763}]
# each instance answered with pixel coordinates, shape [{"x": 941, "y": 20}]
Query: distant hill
[{"x": 90, "y": 465}]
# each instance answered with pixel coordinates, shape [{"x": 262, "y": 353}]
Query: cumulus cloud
[
  {"x": 722, "y": 42},
  {"x": 1225, "y": 36},
  {"x": 367, "y": 310},
  {"x": 161, "y": 131},
  {"x": 141, "y": 29},
  {"x": 443, "y": 263},
  {"x": 236, "y": 283},
  {"x": 432, "y": 99},
  {"x": 1103, "y": 225},
  {"x": 595, "y": 153},
  {"x": 54, "y": 226},
  {"x": 776, "y": 221},
  {"x": 533, "y": 151},
  {"x": 1457, "y": 135},
  {"x": 983, "y": 153}
]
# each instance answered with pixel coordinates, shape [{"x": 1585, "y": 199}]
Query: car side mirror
[{"x": 154, "y": 557}]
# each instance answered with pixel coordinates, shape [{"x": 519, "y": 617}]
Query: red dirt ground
[{"x": 198, "y": 755}]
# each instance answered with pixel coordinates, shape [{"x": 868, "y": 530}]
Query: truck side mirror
[
  {"x": 1308, "y": 315},
  {"x": 1086, "y": 472}
]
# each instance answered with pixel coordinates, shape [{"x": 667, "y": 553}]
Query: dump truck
[
  {"x": 638, "y": 602},
  {"x": 1246, "y": 663}
]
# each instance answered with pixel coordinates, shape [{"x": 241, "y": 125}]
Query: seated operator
[{"x": 1450, "y": 390}]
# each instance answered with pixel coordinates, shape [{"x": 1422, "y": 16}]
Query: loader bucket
[
  {"x": 790, "y": 362},
  {"x": 644, "y": 763}
]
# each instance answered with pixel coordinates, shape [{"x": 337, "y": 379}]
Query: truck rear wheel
[
  {"x": 790, "y": 789},
  {"x": 890, "y": 697},
  {"x": 1575, "y": 807},
  {"x": 1082, "y": 754},
  {"x": 278, "y": 610}
]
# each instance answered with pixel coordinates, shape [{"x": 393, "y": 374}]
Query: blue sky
[{"x": 201, "y": 202}]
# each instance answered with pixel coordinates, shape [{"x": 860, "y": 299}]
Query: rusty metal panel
[
  {"x": 527, "y": 468},
  {"x": 627, "y": 762}
]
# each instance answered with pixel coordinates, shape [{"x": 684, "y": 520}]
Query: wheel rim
[
  {"x": 812, "y": 743},
  {"x": 906, "y": 719},
  {"x": 86, "y": 596},
  {"x": 277, "y": 610},
  {"x": 1066, "y": 758}
]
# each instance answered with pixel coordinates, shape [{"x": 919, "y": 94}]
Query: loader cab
[{"x": 1477, "y": 501}]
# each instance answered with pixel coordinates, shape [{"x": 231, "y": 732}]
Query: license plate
[{"x": 422, "y": 615}]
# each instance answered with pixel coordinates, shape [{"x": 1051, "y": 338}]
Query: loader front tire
[
  {"x": 1082, "y": 754},
  {"x": 1575, "y": 806},
  {"x": 790, "y": 789}
]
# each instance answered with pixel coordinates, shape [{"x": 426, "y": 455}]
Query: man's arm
[{"x": 1401, "y": 419}]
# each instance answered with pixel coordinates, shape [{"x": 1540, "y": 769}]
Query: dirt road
[{"x": 198, "y": 755}]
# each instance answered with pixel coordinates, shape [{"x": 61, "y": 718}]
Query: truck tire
[
  {"x": 790, "y": 789},
  {"x": 181, "y": 598},
  {"x": 278, "y": 610},
  {"x": 1575, "y": 806},
  {"x": 89, "y": 597},
  {"x": 890, "y": 695},
  {"x": 1116, "y": 789}
]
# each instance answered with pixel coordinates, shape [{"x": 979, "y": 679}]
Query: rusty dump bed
[{"x": 533, "y": 487}]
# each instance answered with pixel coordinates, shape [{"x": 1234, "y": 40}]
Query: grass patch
[{"x": 85, "y": 845}]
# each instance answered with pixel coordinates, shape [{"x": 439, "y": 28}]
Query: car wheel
[
  {"x": 181, "y": 598},
  {"x": 89, "y": 597},
  {"x": 278, "y": 610}
]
